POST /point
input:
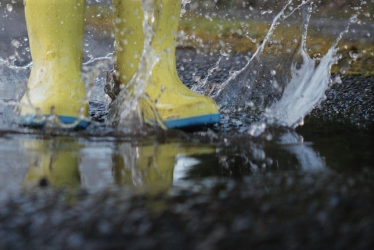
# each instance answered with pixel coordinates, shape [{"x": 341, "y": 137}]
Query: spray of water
[
  {"x": 283, "y": 97},
  {"x": 184, "y": 5},
  {"x": 243, "y": 80},
  {"x": 12, "y": 87},
  {"x": 307, "y": 86},
  {"x": 125, "y": 111}
]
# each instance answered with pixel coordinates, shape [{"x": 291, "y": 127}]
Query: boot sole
[
  {"x": 196, "y": 121},
  {"x": 34, "y": 121}
]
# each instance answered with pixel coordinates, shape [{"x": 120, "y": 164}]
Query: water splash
[
  {"x": 282, "y": 88},
  {"x": 125, "y": 111},
  {"x": 12, "y": 87},
  {"x": 307, "y": 86},
  {"x": 254, "y": 74},
  {"x": 184, "y": 5}
]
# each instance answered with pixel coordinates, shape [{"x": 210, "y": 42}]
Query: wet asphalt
[{"x": 273, "y": 211}]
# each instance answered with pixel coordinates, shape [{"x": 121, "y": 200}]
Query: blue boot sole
[
  {"x": 196, "y": 121},
  {"x": 33, "y": 121}
]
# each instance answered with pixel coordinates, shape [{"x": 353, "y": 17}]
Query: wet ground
[
  {"x": 272, "y": 211},
  {"x": 211, "y": 188}
]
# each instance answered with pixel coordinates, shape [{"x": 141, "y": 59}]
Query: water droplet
[
  {"x": 337, "y": 79},
  {"x": 15, "y": 43},
  {"x": 9, "y": 7},
  {"x": 353, "y": 55}
]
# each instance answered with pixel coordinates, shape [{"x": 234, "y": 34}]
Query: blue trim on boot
[
  {"x": 195, "y": 121},
  {"x": 34, "y": 121}
]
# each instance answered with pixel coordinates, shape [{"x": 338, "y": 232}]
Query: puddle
[{"x": 152, "y": 164}]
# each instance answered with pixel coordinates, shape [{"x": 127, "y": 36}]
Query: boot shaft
[
  {"x": 130, "y": 37},
  {"x": 56, "y": 30}
]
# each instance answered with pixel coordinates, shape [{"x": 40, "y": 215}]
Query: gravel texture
[{"x": 352, "y": 100}]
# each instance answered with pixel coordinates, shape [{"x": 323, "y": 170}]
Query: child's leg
[
  {"x": 176, "y": 104},
  {"x": 56, "y": 30}
]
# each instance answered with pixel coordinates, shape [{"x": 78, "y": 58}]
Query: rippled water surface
[{"x": 179, "y": 159}]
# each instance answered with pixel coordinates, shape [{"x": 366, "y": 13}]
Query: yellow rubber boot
[
  {"x": 56, "y": 31},
  {"x": 176, "y": 104}
]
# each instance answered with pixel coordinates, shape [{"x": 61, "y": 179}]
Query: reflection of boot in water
[
  {"x": 176, "y": 104},
  {"x": 55, "y": 30},
  {"x": 151, "y": 165},
  {"x": 52, "y": 166}
]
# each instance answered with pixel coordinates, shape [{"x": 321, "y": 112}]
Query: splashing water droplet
[
  {"x": 353, "y": 55},
  {"x": 15, "y": 43},
  {"x": 9, "y": 7}
]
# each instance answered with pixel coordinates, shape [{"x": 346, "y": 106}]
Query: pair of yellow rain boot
[{"x": 56, "y": 30}]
